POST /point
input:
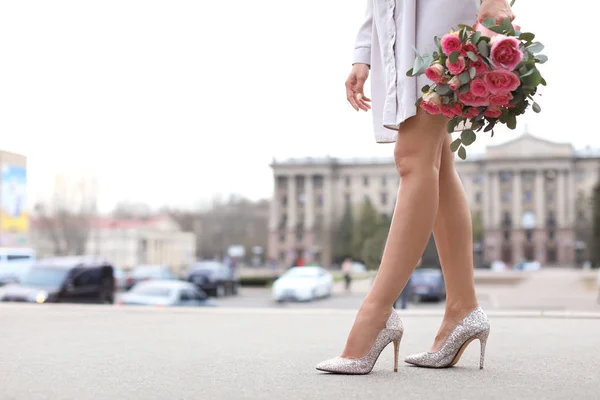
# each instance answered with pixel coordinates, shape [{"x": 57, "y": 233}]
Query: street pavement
[{"x": 112, "y": 352}]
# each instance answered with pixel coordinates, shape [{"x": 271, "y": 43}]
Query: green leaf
[
  {"x": 472, "y": 72},
  {"x": 512, "y": 3},
  {"x": 497, "y": 29},
  {"x": 511, "y": 121},
  {"x": 462, "y": 35},
  {"x": 467, "y": 27},
  {"x": 409, "y": 72},
  {"x": 543, "y": 82},
  {"x": 527, "y": 36},
  {"x": 535, "y": 47},
  {"x": 455, "y": 144},
  {"x": 462, "y": 153},
  {"x": 425, "y": 88},
  {"x": 454, "y": 56},
  {"x": 451, "y": 125},
  {"x": 536, "y": 107},
  {"x": 475, "y": 37},
  {"x": 443, "y": 89},
  {"x": 467, "y": 137},
  {"x": 464, "y": 77},
  {"x": 438, "y": 41},
  {"x": 471, "y": 56},
  {"x": 527, "y": 73},
  {"x": 464, "y": 88},
  {"x": 483, "y": 48},
  {"x": 541, "y": 58},
  {"x": 533, "y": 79},
  {"x": 507, "y": 26},
  {"x": 490, "y": 125},
  {"x": 489, "y": 22},
  {"x": 417, "y": 65}
]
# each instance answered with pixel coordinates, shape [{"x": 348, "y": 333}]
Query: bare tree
[{"x": 64, "y": 222}]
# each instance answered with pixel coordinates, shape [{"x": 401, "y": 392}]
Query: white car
[{"x": 303, "y": 284}]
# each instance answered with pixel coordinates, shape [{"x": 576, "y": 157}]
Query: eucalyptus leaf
[
  {"x": 475, "y": 37},
  {"x": 528, "y": 73},
  {"x": 454, "y": 56},
  {"x": 417, "y": 65},
  {"x": 464, "y": 88},
  {"x": 541, "y": 58},
  {"x": 533, "y": 79},
  {"x": 466, "y": 27},
  {"x": 425, "y": 88},
  {"x": 527, "y": 36},
  {"x": 497, "y": 29},
  {"x": 490, "y": 125},
  {"x": 451, "y": 125},
  {"x": 483, "y": 48},
  {"x": 464, "y": 77},
  {"x": 462, "y": 153},
  {"x": 489, "y": 22},
  {"x": 471, "y": 56},
  {"x": 512, "y": 3},
  {"x": 511, "y": 121},
  {"x": 455, "y": 144},
  {"x": 467, "y": 137},
  {"x": 472, "y": 72},
  {"x": 443, "y": 89},
  {"x": 543, "y": 82},
  {"x": 409, "y": 72},
  {"x": 536, "y": 107},
  {"x": 507, "y": 26},
  {"x": 535, "y": 47}
]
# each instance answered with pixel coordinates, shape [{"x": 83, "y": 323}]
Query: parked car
[
  {"x": 14, "y": 263},
  {"x": 528, "y": 266},
  {"x": 120, "y": 278},
  {"x": 303, "y": 284},
  {"x": 166, "y": 293},
  {"x": 427, "y": 284},
  {"x": 358, "y": 268},
  {"x": 214, "y": 277},
  {"x": 147, "y": 273},
  {"x": 69, "y": 280}
]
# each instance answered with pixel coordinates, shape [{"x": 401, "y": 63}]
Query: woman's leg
[
  {"x": 454, "y": 241},
  {"x": 417, "y": 156}
]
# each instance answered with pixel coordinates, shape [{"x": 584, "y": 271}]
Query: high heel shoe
[
  {"x": 474, "y": 326},
  {"x": 360, "y": 366}
]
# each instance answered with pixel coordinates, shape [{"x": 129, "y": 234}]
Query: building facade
[{"x": 532, "y": 196}]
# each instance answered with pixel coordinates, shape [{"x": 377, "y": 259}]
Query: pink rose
[
  {"x": 479, "y": 88},
  {"x": 501, "y": 81},
  {"x": 447, "y": 110},
  {"x": 450, "y": 43},
  {"x": 517, "y": 27},
  {"x": 505, "y": 51},
  {"x": 493, "y": 112},
  {"x": 457, "y": 67},
  {"x": 471, "y": 113},
  {"x": 501, "y": 99},
  {"x": 454, "y": 83},
  {"x": 484, "y": 31},
  {"x": 435, "y": 73},
  {"x": 470, "y": 99},
  {"x": 457, "y": 108},
  {"x": 479, "y": 65},
  {"x": 468, "y": 47},
  {"x": 431, "y": 103}
]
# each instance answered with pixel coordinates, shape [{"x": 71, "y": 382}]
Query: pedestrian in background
[{"x": 347, "y": 271}]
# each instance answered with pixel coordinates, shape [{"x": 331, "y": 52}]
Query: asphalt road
[{"x": 101, "y": 352}]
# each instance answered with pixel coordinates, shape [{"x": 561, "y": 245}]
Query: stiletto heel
[
  {"x": 396, "y": 353},
  {"x": 392, "y": 333},
  {"x": 483, "y": 337},
  {"x": 474, "y": 326}
]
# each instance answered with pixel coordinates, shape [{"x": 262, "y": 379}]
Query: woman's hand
[
  {"x": 496, "y": 9},
  {"x": 355, "y": 86}
]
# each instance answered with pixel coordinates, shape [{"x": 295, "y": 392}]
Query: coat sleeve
[{"x": 362, "y": 47}]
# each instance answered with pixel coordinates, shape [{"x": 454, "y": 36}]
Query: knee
[{"x": 410, "y": 160}]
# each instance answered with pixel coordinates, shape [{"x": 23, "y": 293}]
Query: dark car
[
  {"x": 213, "y": 277},
  {"x": 148, "y": 273},
  {"x": 69, "y": 280},
  {"x": 427, "y": 284}
]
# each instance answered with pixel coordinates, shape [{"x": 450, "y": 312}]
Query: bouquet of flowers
[{"x": 481, "y": 75}]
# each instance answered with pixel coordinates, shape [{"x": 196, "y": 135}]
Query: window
[
  {"x": 580, "y": 215},
  {"x": 91, "y": 277},
  {"x": 300, "y": 183},
  {"x": 528, "y": 176},
  {"x": 365, "y": 181},
  {"x": 284, "y": 200},
  {"x": 283, "y": 221},
  {"x": 348, "y": 181},
  {"x": 580, "y": 175},
  {"x": 551, "y": 235},
  {"x": 384, "y": 199},
  {"x": 318, "y": 181},
  {"x": 528, "y": 196},
  {"x": 507, "y": 236},
  {"x": 282, "y": 256},
  {"x": 529, "y": 234},
  {"x": 13, "y": 257},
  {"x": 478, "y": 177},
  {"x": 186, "y": 295},
  {"x": 506, "y": 176},
  {"x": 478, "y": 197},
  {"x": 282, "y": 182},
  {"x": 282, "y": 238},
  {"x": 549, "y": 197},
  {"x": 506, "y": 197},
  {"x": 301, "y": 198},
  {"x": 384, "y": 180},
  {"x": 299, "y": 236},
  {"x": 320, "y": 200}
]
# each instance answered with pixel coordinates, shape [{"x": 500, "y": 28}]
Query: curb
[{"x": 566, "y": 314}]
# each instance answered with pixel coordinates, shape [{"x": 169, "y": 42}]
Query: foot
[
  {"x": 369, "y": 321},
  {"x": 452, "y": 317}
]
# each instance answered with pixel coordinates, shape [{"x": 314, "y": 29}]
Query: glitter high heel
[
  {"x": 392, "y": 333},
  {"x": 474, "y": 326}
]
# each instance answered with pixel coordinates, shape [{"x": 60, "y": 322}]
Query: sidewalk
[{"x": 102, "y": 352}]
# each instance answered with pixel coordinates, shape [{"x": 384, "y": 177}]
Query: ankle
[{"x": 458, "y": 310}]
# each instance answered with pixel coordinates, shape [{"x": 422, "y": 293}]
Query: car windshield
[
  {"x": 153, "y": 291},
  {"x": 301, "y": 272},
  {"x": 147, "y": 271},
  {"x": 42, "y": 276},
  {"x": 426, "y": 275}
]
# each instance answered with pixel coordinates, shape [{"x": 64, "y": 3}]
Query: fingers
[
  {"x": 355, "y": 95},
  {"x": 351, "y": 97}
]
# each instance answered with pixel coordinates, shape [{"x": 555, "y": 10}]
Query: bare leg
[
  {"x": 418, "y": 156},
  {"x": 454, "y": 241}
]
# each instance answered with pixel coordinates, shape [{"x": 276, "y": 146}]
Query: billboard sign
[{"x": 13, "y": 200}]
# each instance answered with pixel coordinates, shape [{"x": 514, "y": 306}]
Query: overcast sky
[{"x": 170, "y": 102}]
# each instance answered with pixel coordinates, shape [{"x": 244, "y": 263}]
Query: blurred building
[
  {"x": 532, "y": 195},
  {"x": 126, "y": 242},
  {"x": 14, "y": 217}
]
